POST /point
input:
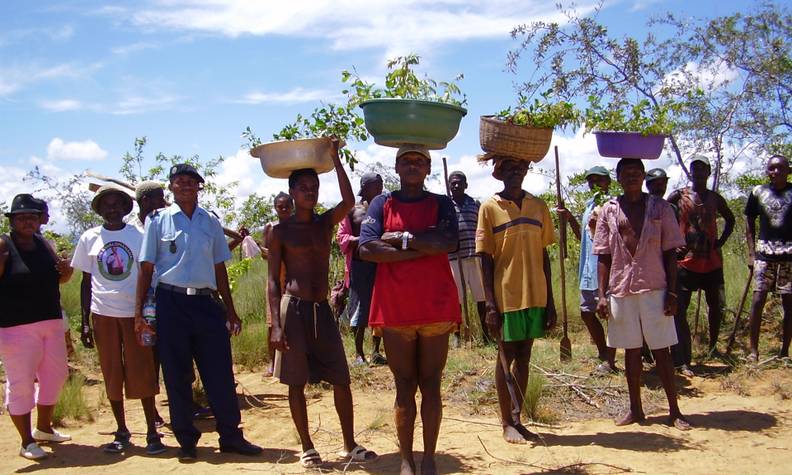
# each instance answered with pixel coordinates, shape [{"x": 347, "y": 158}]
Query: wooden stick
[
  {"x": 565, "y": 344},
  {"x": 739, "y": 312}
]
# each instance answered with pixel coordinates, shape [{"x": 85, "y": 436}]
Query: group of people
[{"x": 410, "y": 257}]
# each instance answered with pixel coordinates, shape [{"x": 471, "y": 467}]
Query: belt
[{"x": 186, "y": 290}]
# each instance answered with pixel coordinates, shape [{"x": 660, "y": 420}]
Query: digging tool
[
  {"x": 566, "y": 345},
  {"x": 465, "y": 311},
  {"x": 739, "y": 312},
  {"x": 696, "y": 336},
  {"x": 110, "y": 179}
]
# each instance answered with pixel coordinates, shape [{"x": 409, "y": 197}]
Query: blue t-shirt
[{"x": 587, "y": 271}]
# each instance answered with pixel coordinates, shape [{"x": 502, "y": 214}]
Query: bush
[{"x": 72, "y": 404}]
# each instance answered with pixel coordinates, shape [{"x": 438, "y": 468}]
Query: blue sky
[{"x": 80, "y": 80}]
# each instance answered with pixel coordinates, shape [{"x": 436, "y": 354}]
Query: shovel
[{"x": 566, "y": 345}]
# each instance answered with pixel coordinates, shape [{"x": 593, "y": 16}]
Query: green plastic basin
[{"x": 393, "y": 122}]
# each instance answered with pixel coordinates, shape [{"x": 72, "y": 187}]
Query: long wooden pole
[
  {"x": 566, "y": 345},
  {"x": 739, "y": 312}
]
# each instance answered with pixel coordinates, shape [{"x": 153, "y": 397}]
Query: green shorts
[{"x": 524, "y": 324}]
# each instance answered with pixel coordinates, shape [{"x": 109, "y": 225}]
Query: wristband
[{"x": 406, "y": 236}]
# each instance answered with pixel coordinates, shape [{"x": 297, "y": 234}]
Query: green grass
[
  {"x": 249, "y": 348},
  {"x": 71, "y": 404}
]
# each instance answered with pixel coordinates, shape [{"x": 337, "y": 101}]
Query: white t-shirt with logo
[{"x": 111, "y": 257}]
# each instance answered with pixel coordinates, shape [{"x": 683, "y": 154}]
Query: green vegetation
[
  {"x": 541, "y": 114},
  {"x": 72, "y": 404}
]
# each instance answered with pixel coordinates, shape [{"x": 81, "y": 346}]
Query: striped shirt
[{"x": 467, "y": 217}]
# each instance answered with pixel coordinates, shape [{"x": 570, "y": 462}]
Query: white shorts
[
  {"x": 471, "y": 267},
  {"x": 640, "y": 317}
]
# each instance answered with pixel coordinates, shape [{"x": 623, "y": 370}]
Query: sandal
[
  {"x": 310, "y": 459},
  {"x": 359, "y": 454},
  {"x": 119, "y": 444}
]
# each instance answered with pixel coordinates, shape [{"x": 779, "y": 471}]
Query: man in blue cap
[
  {"x": 185, "y": 245},
  {"x": 598, "y": 179}
]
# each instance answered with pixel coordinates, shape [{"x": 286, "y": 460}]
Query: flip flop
[
  {"x": 359, "y": 454},
  {"x": 310, "y": 459}
]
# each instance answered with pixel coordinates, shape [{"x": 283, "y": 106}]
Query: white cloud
[
  {"x": 294, "y": 96},
  {"x": 78, "y": 150},
  {"x": 16, "y": 77},
  {"x": 133, "y": 48},
  {"x": 643, "y": 4},
  {"x": 352, "y": 24},
  {"x": 61, "y": 105},
  {"x": 711, "y": 77},
  {"x": 135, "y": 104}
]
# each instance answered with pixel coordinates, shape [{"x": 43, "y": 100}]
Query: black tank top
[{"x": 29, "y": 289}]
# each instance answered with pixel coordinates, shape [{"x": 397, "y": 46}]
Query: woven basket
[{"x": 502, "y": 138}]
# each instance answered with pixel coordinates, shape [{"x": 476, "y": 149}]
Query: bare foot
[
  {"x": 527, "y": 435},
  {"x": 679, "y": 422},
  {"x": 630, "y": 418},
  {"x": 513, "y": 436},
  {"x": 407, "y": 467},
  {"x": 428, "y": 466}
]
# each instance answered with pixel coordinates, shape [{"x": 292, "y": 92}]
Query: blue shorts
[
  {"x": 361, "y": 286},
  {"x": 588, "y": 300}
]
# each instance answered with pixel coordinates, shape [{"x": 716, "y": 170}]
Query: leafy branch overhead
[
  {"x": 345, "y": 122},
  {"x": 719, "y": 86},
  {"x": 541, "y": 113}
]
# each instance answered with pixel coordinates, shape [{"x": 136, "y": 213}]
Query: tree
[
  {"x": 75, "y": 200},
  {"x": 5, "y": 227},
  {"x": 255, "y": 211},
  {"x": 725, "y": 85}
]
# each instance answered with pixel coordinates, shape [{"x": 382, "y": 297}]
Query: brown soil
[{"x": 742, "y": 425}]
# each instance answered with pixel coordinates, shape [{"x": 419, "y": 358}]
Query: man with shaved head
[{"x": 771, "y": 255}]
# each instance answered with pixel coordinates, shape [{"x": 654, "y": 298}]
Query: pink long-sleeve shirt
[
  {"x": 644, "y": 271},
  {"x": 346, "y": 243}
]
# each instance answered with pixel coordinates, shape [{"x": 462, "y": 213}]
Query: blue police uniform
[{"x": 190, "y": 323}]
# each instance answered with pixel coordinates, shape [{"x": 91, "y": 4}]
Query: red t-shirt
[{"x": 419, "y": 291}]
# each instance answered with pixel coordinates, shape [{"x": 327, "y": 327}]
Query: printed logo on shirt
[
  {"x": 115, "y": 261},
  {"x": 369, "y": 220}
]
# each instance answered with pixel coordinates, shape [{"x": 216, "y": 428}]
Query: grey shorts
[
  {"x": 588, "y": 300},
  {"x": 773, "y": 276}
]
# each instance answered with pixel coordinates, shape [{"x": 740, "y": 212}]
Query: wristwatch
[{"x": 406, "y": 236}]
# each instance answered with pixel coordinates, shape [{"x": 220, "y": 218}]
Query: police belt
[{"x": 186, "y": 290}]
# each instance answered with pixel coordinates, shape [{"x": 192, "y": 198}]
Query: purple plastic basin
[{"x": 629, "y": 145}]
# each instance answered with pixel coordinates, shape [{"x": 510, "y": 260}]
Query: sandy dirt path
[{"x": 735, "y": 433}]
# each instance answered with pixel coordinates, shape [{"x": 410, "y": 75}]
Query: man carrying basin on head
[
  {"x": 303, "y": 327},
  {"x": 409, "y": 234},
  {"x": 636, "y": 240}
]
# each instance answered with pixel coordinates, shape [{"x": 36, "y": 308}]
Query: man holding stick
[
  {"x": 598, "y": 180},
  {"x": 514, "y": 230}
]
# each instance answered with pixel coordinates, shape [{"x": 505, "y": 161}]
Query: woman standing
[{"x": 31, "y": 331}]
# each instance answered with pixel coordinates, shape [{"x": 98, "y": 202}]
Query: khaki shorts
[
  {"x": 127, "y": 367},
  {"x": 773, "y": 276},
  {"x": 640, "y": 317},
  {"x": 471, "y": 267},
  {"x": 412, "y": 332}
]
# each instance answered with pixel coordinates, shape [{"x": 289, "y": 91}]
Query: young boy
[
  {"x": 284, "y": 207},
  {"x": 636, "y": 240},
  {"x": 514, "y": 229},
  {"x": 108, "y": 258},
  {"x": 303, "y": 327}
]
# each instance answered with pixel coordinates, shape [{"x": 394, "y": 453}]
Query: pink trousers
[{"x": 34, "y": 350}]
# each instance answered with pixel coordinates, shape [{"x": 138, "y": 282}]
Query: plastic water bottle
[{"x": 148, "y": 336}]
